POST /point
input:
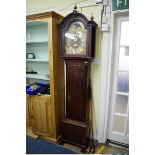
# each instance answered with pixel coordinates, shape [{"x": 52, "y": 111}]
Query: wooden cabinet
[{"x": 44, "y": 112}]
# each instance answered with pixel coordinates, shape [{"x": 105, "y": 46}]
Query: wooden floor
[
  {"x": 72, "y": 147},
  {"x": 113, "y": 149},
  {"x": 110, "y": 149}
]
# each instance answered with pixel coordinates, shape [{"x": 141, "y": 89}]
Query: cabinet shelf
[
  {"x": 35, "y": 23},
  {"x": 37, "y": 42},
  {"x": 37, "y": 60},
  {"x": 37, "y": 76}
]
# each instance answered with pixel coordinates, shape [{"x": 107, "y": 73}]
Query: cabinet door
[
  {"x": 40, "y": 115},
  {"x": 76, "y": 91}
]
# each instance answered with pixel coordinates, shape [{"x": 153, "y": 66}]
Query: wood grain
[
  {"x": 27, "y": 112},
  {"x": 40, "y": 115},
  {"x": 58, "y": 74},
  {"x": 50, "y": 14}
]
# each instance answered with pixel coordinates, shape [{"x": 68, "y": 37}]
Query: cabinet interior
[{"x": 37, "y": 44}]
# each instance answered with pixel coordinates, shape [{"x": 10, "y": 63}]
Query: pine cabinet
[{"x": 44, "y": 112}]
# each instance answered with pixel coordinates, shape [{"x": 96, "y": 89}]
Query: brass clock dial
[{"x": 75, "y": 39}]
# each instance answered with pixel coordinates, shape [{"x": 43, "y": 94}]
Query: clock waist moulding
[{"x": 77, "y": 47}]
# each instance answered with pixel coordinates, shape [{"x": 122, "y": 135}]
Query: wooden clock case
[{"x": 75, "y": 126}]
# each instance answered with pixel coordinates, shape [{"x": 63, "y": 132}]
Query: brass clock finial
[
  {"x": 75, "y": 9},
  {"x": 91, "y": 17}
]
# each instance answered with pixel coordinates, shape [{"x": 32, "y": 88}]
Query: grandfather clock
[{"x": 77, "y": 47}]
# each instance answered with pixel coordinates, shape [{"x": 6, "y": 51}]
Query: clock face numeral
[{"x": 75, "y": 39}]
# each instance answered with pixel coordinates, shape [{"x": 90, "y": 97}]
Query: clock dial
[{"x": 75, "y": 39}]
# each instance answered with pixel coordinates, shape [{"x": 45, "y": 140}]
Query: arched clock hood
[{"x": 89, "y": 25}]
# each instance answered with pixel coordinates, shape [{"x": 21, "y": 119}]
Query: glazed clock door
[
  {"x": 75, "y": 39},
  {"x": 76, "y": 74}
]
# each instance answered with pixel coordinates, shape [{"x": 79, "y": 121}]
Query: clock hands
[
  {"x": 69, "y": 35},
  {"x": 74, "y": 36}
]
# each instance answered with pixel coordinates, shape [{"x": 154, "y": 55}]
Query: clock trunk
[
  {"x": 76, "y": 89},
  {"x": 75, "y": 128}
]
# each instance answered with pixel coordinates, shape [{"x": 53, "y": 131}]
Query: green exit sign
[{"x": 120, "y": 4}]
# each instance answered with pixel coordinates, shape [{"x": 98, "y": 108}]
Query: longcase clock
[{"x": 77, "y": 47}]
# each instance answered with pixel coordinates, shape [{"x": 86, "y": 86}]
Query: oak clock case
[{"x": 77, "y": 46}]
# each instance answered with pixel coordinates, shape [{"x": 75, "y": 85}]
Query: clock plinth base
[{"x": 75, "y": 132}]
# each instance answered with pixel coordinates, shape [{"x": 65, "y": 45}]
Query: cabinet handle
[{"x": 31, "y": 115}]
